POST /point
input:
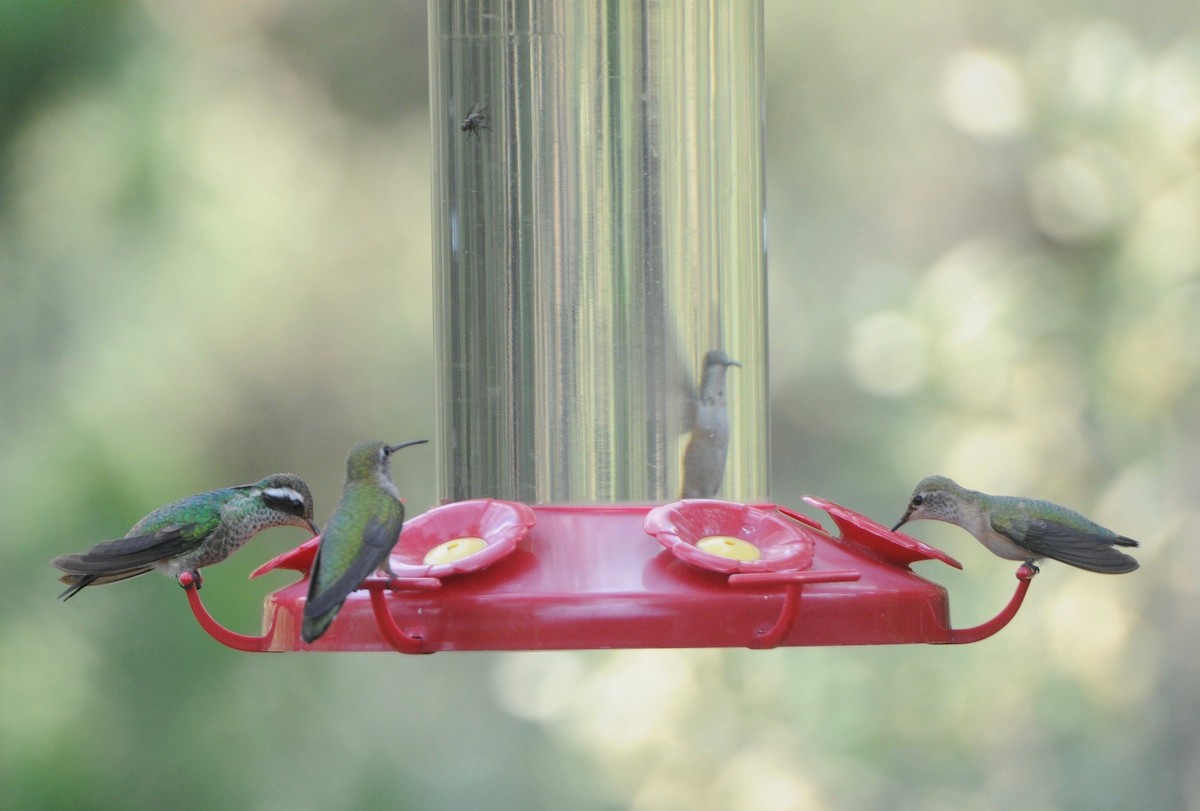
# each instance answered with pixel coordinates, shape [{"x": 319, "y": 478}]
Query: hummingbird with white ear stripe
[
  {"x": 364, "y": 527},
  {"x": 196, "y": 531},
  {"x": 1021, "y": 528}
]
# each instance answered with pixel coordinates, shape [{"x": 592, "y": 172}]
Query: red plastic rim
[
  {"x": 299, "y": 559},
  {"x": 500, "y": 524},
  {"x": 783, "y": 545}
]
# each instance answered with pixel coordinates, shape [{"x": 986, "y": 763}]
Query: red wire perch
[
  {"x": 794, "y": 581},
  {"x": 962, "y": 636},
  {"x": 401, "y": 641},
  {"x": 393, "y": 633},
  {"x": 231, "y": 639}
]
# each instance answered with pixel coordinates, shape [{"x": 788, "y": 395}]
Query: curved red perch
[
  {"x": 231, "y": 639},
  {"x": 393, "y": 633},
  {"x": 962, "y": 636},
  {"x": 794, "y": 581}
]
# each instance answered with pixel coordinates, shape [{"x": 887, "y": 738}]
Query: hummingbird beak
[
  {"x": 393, "y": 448},
  {"x": 313, "y": 526},
  {"x": 903, "y": 520}
]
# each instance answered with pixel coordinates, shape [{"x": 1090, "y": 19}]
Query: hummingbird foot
[
  {"x": 191, "y": 580},
  {"x": 386, "y": 568},
  {"x": 1028, "y": 570}
]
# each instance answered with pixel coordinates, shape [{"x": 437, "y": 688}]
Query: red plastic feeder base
[{"x": 691, "y": 574}]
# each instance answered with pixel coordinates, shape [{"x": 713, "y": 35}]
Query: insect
[{"x": 474, "y": 122}]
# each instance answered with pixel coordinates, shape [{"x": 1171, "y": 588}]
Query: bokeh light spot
[
  {"x": 888, "y": 354},
  {"x": 1078, "y": 195},
  {"x": 983, "y": 94}
]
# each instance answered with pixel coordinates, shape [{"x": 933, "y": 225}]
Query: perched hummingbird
[
  {"x": 195, "y": 531},
  {"x": 708, "y": 417},
  {"x": 361, "y": 532},
  {"x": 1021, "y": 528}
]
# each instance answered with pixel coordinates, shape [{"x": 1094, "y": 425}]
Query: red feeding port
[{"x": 497, "y": 575}]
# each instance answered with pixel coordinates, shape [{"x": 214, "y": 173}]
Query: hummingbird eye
[{"x": 918, "y": 500}]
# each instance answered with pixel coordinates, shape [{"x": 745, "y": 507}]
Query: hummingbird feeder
[
  {"x": 598, "y": 231},
  {"x": 627, "y": 576}
]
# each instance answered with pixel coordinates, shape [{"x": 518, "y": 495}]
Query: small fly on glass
[{"x": 474, "y": 122}]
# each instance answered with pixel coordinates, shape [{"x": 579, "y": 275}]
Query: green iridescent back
[
  {"x": 203, "y": 510},
  {"x": 363, "y": 505}
]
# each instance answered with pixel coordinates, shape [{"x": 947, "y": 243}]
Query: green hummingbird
[
  {"x": 1021, "y": 528},
  {"x": 364, "y": 527},
  {"x": 196, "y": 531}
]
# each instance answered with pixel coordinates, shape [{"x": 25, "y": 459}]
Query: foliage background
[{"x": 991, "y": 269}]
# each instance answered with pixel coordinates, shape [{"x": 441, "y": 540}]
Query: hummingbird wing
[
  {"x": 110, "y": 561},
  {"x": 379, "y": 536},
  {"x": 1089, "y": 548},
  {"x": 111, "y": 557}
]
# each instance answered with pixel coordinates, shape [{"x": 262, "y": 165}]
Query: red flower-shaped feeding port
[
  {"x": 731, "y": 538},
  {"x": 462, "y": 537}
]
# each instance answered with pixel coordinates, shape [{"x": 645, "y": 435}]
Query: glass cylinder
[{"x": 598, "y": 229}]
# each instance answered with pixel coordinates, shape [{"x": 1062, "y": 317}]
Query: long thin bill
[{"x": 393, "y": 448}]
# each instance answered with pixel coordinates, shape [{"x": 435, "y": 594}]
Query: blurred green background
[{"x": 215, "y": 264}]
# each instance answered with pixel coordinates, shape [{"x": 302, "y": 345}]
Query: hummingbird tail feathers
[
  {"x": 82, "y": 572},
  {"x": 313, "y": 627},
  {"x": 77, "y": 584}
]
